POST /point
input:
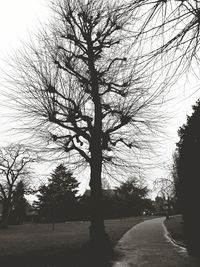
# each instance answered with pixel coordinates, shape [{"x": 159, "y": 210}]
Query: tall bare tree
[
  {"x": 169, "y": 30},
  {"x": 14, "y": 163},
  {"x": 80, "y": 87}
]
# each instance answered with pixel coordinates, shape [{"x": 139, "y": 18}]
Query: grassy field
[
  {"x": 175, "y": 227},
  {"x": 37, "y": 245}
]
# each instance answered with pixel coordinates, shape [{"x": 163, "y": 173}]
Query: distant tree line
[{"x": 58, "y": 200}]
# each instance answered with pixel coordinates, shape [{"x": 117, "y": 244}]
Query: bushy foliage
[
  {"x": 187, "y": 180},
  {"x": 132, "y": 197},
  {"x": 58, "y": 200},
  {"x": 128, "y": 199}
]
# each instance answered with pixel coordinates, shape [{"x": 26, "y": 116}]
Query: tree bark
[
  {"x": 97, "y": 228},
  {"x": 98, "y": 238}
]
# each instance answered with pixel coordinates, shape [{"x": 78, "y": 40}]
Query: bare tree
[
  {"x": 14, "y": 162},
  {"x": 165, "y": 188},
  {"x": 169, "y": 32},
  {"x": 80, "y": 87}
]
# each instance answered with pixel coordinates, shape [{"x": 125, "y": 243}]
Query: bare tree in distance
[
  {"x": 80, "y": 89},
  {"x": 166, "y": 189},
  {"x": 15, "y": 162}
]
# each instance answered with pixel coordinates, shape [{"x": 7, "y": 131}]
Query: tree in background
[
  {"x": 166, "y": 190},
  {"x": 187, "y": 180},
  {"x": 15, "y": 163},
  {"x": 57, "y": 201},
  {"x": 132, "y": 197},
  {"x": 81, "y": 87},
  {"x": 19, "y": 204},
  {"x": 176, "y": 182},
  {"x": 128, "y": 199}
]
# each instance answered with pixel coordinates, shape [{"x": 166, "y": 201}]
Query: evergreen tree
[
  {"x": 19, "y": 204},
  {"x": 187, "y": 180},
  {"x": 58, "y": 199}
]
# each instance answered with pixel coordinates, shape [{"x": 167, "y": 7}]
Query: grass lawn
[
  {"x": 175, "y": 227},
  {"x": 37, "y": 245}
]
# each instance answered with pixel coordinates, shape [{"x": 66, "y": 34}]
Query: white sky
[{"x": 18, "y": 18}]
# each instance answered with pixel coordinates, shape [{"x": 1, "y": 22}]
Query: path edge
[{"x": 171, "y": 239}]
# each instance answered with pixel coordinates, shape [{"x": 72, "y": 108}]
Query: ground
[
  {"x": 175, "y": 228},
  {"x": 147, "y": 245},
  {"x": 37, "y": 245}
]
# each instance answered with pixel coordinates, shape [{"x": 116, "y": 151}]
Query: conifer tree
[
  {"x": 188, "y": 182},
  {"x": 57, "y": 201}
]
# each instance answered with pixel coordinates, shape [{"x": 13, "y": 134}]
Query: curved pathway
[{"x": 147, "y": 245}]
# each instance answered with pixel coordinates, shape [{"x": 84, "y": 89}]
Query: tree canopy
[{"x": 80, "y": 81}]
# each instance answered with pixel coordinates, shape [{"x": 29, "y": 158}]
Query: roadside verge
[{"x": 174, "y": 230}]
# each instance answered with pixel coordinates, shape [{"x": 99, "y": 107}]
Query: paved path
[{"x": 146, "y": 245}]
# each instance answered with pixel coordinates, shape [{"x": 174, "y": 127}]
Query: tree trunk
[
  {"x": 98, "y": 238},
  {"x": 97, "y": 228}
]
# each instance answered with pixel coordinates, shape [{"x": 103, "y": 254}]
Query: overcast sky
[{"x": 18, "y": 18}]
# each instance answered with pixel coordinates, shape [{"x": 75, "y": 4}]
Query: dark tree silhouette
[
  {"x": 132, "y": 187},
  {"x": 57, "y": 201},
  {"x": 176, "y": 182},
  {"x": 79, "y": 85},
  {"x": 19, "y": 204},
  {"x": 132, "y": 197},
  {"x": 187, "y": 184},
  {"x": 14, "y": 163},
  {"x": 128, "y": 199}
]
